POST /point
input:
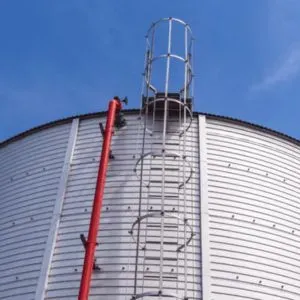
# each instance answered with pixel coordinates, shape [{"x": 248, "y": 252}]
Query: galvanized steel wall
[
  {"x": 30, "y": 171},
  {"x": 116, "y": 250},
  {"x": 247, "y": 180},
  {"x": 251, "y": 213}
]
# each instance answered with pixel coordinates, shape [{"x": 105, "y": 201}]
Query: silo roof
[{"x": 129, "y": 111}]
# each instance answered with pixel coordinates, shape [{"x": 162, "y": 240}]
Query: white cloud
[
  {"x": 284, "y": 44},
  {"x": 287, "y": 69}
]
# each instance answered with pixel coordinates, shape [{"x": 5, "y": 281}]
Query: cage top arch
[{"x": 162, "y": 20}]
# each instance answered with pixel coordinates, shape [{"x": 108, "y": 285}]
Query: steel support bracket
[
  {"x": 111, "y": 156},
  {"x": 84, "y": 243},
  {"x": 102, "y": 129}
]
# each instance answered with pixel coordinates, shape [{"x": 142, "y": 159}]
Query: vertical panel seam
[
  {"x": 206, "y": 284},
  {"x": 51, "y": 240}
]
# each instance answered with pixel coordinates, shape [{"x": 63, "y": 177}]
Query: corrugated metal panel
[
  {"x": 116, "y": 251},
  {"x": 30, "y": 169},
  {"x": 253, "y": 208},
  {"x": 249, "y": 213}
]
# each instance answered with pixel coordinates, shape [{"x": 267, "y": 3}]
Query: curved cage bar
[
  {"x": 161, "y": 215},
  {"x": 176, "y": 29},
  {"x": 164, "y": 154},
  {"x": 185, "y": 109},
  {"x": 185, "y": 85},
  {"x": 154, "y": 24}
]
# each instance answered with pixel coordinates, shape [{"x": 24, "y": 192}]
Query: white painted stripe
[
  {"x": 50, "y": 245},
  {"x": 206, "y": 293}
]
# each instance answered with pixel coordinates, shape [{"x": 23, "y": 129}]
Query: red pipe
[{"x": 114, "y": 106}]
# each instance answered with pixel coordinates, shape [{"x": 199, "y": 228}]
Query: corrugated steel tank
[{"x": 242, "y": 203}]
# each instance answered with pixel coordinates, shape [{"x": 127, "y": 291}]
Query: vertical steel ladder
[{"x": 162, "y": 232}]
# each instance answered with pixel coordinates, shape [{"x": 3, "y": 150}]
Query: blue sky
[{"x": 60, "y": 58}]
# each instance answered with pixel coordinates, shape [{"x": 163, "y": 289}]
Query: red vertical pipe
[{"x": 114, "y": 106}]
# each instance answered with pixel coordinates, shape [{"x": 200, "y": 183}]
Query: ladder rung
[
  {"x": 166, "y": 169},
  {"x": 168, "y": 132},
  {"x": 166, "y": 210},
  {"x": 158, "y": 196},
  {"x": 158, "y": 242},
  {"x": 158, "y": 277},
  {"x": 158, "y": 258},
  {"x": 167, "y": 143},
  {"x": 159, "y": 225},
  {"x": 166, "y": 181}
]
